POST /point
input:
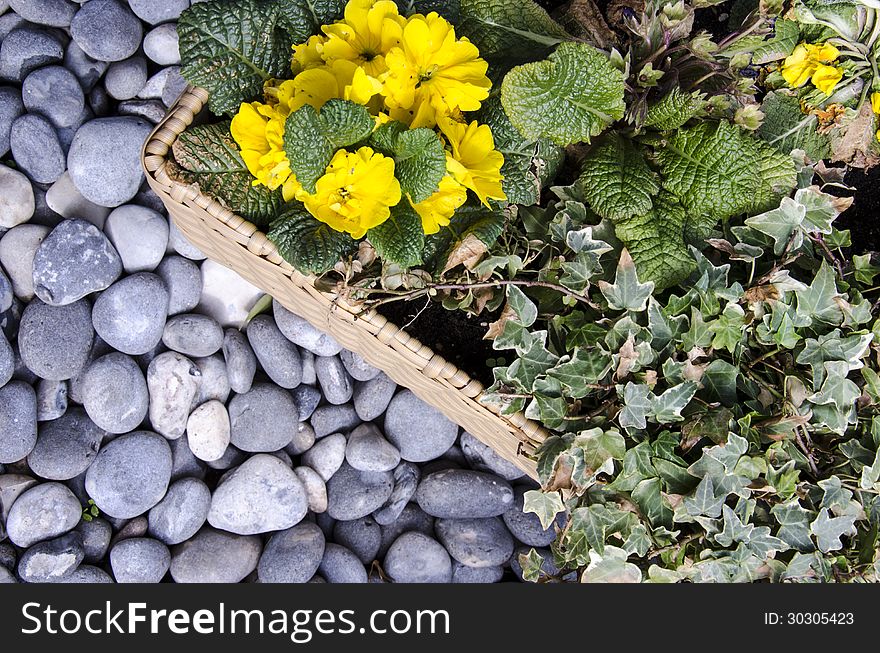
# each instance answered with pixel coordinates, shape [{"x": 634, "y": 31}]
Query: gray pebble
[
  {"x": 182, "y": 246},
  {"x": 114, "y": 393},
  {"x": 152, "y": 110},
  {"x": 51, "y": 561},
  {"x": 303, "y": 439},
  {"x": 17, "y": 202},
  {"x": 86, "y": 69},
  {"x": 477, "y": 575},
  {"x": 483, "y": 458},
  {"x": 55, "y": 341},
  {"x": 36, "y": 148},
  {"x": 130, "y": 474},
  {"x": 526, "y": 527},
  {"x": 215, "y": 557},
  {"x": 292, "y": 555},
  {"x": 316, "y": 488},
  {"x": 309, "y": 376},
  {"x": 173, "y": 382},
  {"x": 140, "y": 235},
  {"x": 406, "y": 480},
  {"x": 192, "y": 334},
  {"x": 299, "y": 331},
  {"x": 11, "y": 107},
  {"x": 181, "y": 512},
  {"x": 7, "y": 360},
  {"x": 417, "y": 558},
  {"x": 51, "y": 399},
  {"x": 352, "y": 494},
  {"x": 215, "y": 380},
  {"x": 158, "y": 11},
  {"x": 140, "y": 560},
  {"x": 358, "y": 368},
  {"x": 73, "y": 261},
  {"x": 232, "y": 457},
  {"x": 278, "y": 357},
  {"x": 42, "y": 512},
  {"x": 130, "y": 314},
  {"x": 183, "y": 463},
  {"x": 334, "y": 419},
  {"x": 184, "y": 283},
  {"x": 339, "y": 565},
  {"x": 263, "y": 419},
  {"x": 368, "y": 451},
  {"x": 55, "y": 13},
  {"x": 326, "y": 456},
  {"x": 24, "y": 49},
  {"x": 476, "y": 542},
  {"x": 463, "y": 493},
  {"x": 87, "y": 574},
  {"x": 363, "y": 537},
  {"x": 125, "y": 79},
  {"x": 64, "y": 199},
  {"x": 17, "y": 249},
  {"x": 96, "y": 535},
  {"x": 162, "y": 46},
  {"x": 307, "y": 399},
  {"x": 55, "y": 93},
  {"x": 241, "y": 362},
  {"x": 66, "y": 446},
  {"x": 419, "y": 431},
  {"x": 99, "y": 102},
  {"x": 106, "y": 30},
  {"x": 333, "y": 379}
]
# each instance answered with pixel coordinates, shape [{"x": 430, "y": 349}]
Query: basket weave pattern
[{"x": 238, "y": 244}]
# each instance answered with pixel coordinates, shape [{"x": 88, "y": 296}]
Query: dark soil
[
  {"x": 863, "y": 217},
  {"x": 455, "y": 335}
]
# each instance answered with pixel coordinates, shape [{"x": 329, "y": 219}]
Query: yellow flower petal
[
  {"x": 309, "y": 54},
  {"x": 824, "y": 53},
  {"x": 473, "y": 161},
  {"x": 437, "y": 210},
  {"x": 875, "y": 102},
  {"x": 368, "y": 31},
  {"x": 798, "y": 67},
  {"x": 826, "y": 78}
]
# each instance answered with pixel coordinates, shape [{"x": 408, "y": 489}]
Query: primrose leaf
[
  {"x": 419, "y": 162},
  {"x": 546, "y": 505},
  {"x": 400, "y": 239},
  {"x": 778, "y": 177},
  {"x": 828, "y": 530},
  {"x": 308, "y": 245},
  {"x": 786, "y": 128},
  {"x": 785, "y": 37},
  {"x": 674, "y": 109},
  {"x": 616, "y": 179},
  {"x": 302, "y": 18},
  {"x": 503, "y": 28},
  {"x": 231, "y": 49},
  {"x": 626, "y": 293},
  {"x": 569, "y": 98}
]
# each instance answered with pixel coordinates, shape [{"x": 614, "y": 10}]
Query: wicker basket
[{"x": 237, "y": 244}]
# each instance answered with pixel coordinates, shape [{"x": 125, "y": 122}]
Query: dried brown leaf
[{"x": 468, "y": 253}]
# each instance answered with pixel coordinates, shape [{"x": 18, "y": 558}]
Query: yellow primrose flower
[
  {"x": 259, "y": 132},
  {"x": 437, "y": 210},
  {"x": 309, "y": 54},
  {"x": 432, "y": 73},
  {"x": 875, "y": 102},
  {"x": 826, "y": 77},
  {"x": 356, "y": 193},
  {"x": 809, "y": 62},
  {"x": 474, "y": 161},
  {"x": 341, "y": 79},
  {"x": 369, "y": 30}
]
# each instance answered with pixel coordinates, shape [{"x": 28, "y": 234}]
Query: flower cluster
[
  {"x": 412, "y": 70},
  {"x": 813, "y": 63}
]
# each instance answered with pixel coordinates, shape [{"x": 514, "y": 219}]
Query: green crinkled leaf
[
  {"x": 674, "y": 109},
  {"x": 656, "y": 241},
  {"x": 546, "y": 505},
  {"x": 307, "y": 244},
  {"x": 230, "y": 48},
  {"x": 786, "y": 128},
  {"x": 569, "y": 97},
  {"x": 785, "y": 38},
  {"x": 419, "y": 162},
  {"x": 302, "y": 18},
  {"x": 626, "y": 293},
  {"x": 713, "y": 169},
  {"x": 207, "y": 155},
  {"x": 449, "y": 9},
  {"x": 778, "y": 178},
  {"x": 400, "y": 239},
  {"x": 502, "y": 28},
  {"x": 311, "y": 138},
  {"x": 616, "y": 180}
]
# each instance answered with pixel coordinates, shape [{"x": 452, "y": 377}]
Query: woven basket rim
[{"x": 155, "y": 158}]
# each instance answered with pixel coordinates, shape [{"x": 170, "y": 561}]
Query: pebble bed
[{"x": 214, "y": 451}]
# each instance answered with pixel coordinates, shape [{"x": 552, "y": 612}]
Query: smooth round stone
[
  {"x": 215, "y": 557},
  {"x": 303, "y": 439},
  {"x": 241, "y": 362},
  {"x": 215, "y": 381},
  {"x": 7, "y": 577},
  {"x": 406, "y": 480},
  {"x": 232, "y": 457},
  {"x": 130, "y": 314},
  {"x": 35, "y": 146},
  {"x": 278, "y": 357},
  {"x": 162, "y": 46},
  {"x": 173, "y": 382},
  {"x": 333, "y": 379},
  {"x": 87, "y": 575},
  {"x": 300, "y": 332},
  {"x": 42, "y": 512},
  {"x": 96, "y": 535},
  {"x": 339, "y": 565},
  {"x": 463, "y": 493},
  {"x": 207, "y": 431},
  {"x": 24, "y": 49},
  {"x": 483, "y": 458},
  {"x": 363, "y": 537},
  {"x": 125, "y": 79},
  {"x": 55, "y": 13},
  {"x": 51, "y": 561},
  {"x": 352, "y": 494},
  {"x": 307, "y": 399},
  {"x": 16, "y": 198},
  {"x": 51, "y": 399},
  {"x": 55, "y": 341},
  {"x": 476, "y": 542},
  {"x": 526, "y": 527},
  {"x": 181, "y": 512},
  {"x": 64, "y": 199},
  {"x": 140, "y": 235},
  {"x": 151, "y": 110},
  {"x": 17, "y": 249},
  {"x": 66, "y": 446},
  {"x": 326, "y": 456},
  {"x": 357, "y": 367},
  {"x": 417, "y": 558},
  {"x": 183, "y": 280},
  {"x": 158, "y": 11},
  {"x": 192, "y": 334},
  {"x": 316, "y": 489},
  {"x": 104, "y": 158},
  {"x": 261, "y": 495},
  {"x": 130, "y": 474},
  {"x": 73, "y": 261},
  {"x": 106, "y": 30},
  {"x": 184, "y": 464},
  {"x": 419, "y": 431},
  {"x": 55, "y": 93},
  {"x": 7, "y": 360},
  {"x": 182, "y": 246},
  {"x": 308, "y": 363},
  {"x": 368, "y": 451},
  {"x": 99, "y": 101},
  {"x": 18, "y": 421},
  {"x": 263, "y": 419},
  {"x": 476, "y": 575},
  {"x": 334, "y": 419},
  {"x": 115, "y": 394},
  {"x": 140, "y": 560},
  {"x": 371, "y": 398},
  {"x": 292, "y": 555},
  {"x": 87, "y": 70},
  {"x": 11, "y": 107}
]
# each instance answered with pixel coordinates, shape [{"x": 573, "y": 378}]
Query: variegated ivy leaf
[
  {"x": 532, "y": 363},
  {"x": 727, "y": 330},
  {"x": 583, "y": 369},
  {"x": 757, "y": 539},
  {"x": 626, "y": 293},
  {"x": 871, "y": 475},
  {"x": 648, "y": 497},
  {"x": 532, "y": 564},
  {"x": 598, "y": 448},
  {"x": 832, "y": 347},
  {"x": 838, "y": 499},
  {"x": 794, "y": 525},
  {"x": 596, "y": 522},
  {"x": 821, "y": 209},
  {"x": 704, "y": 500},
  {"x": 863, "y": 269},
  {"x": 582, "y": 241},
  {"x": 611, "y": 567},
  {"x": 782, "y": 224},
  {"x": 636, "y": 406},
  {"x": 525, "y": 309},
  {"x": 721, "y": 459},
  {"x": 638, "y": 541},
  {"x": 664, "y": 329},
  {"x": 836, "y": 388},
  {"x": 668, "y": 406},
  {"x": 828, "y": 530},
  {"x": 819, "y": 302},
  {"x": 546, "y": 505}
]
